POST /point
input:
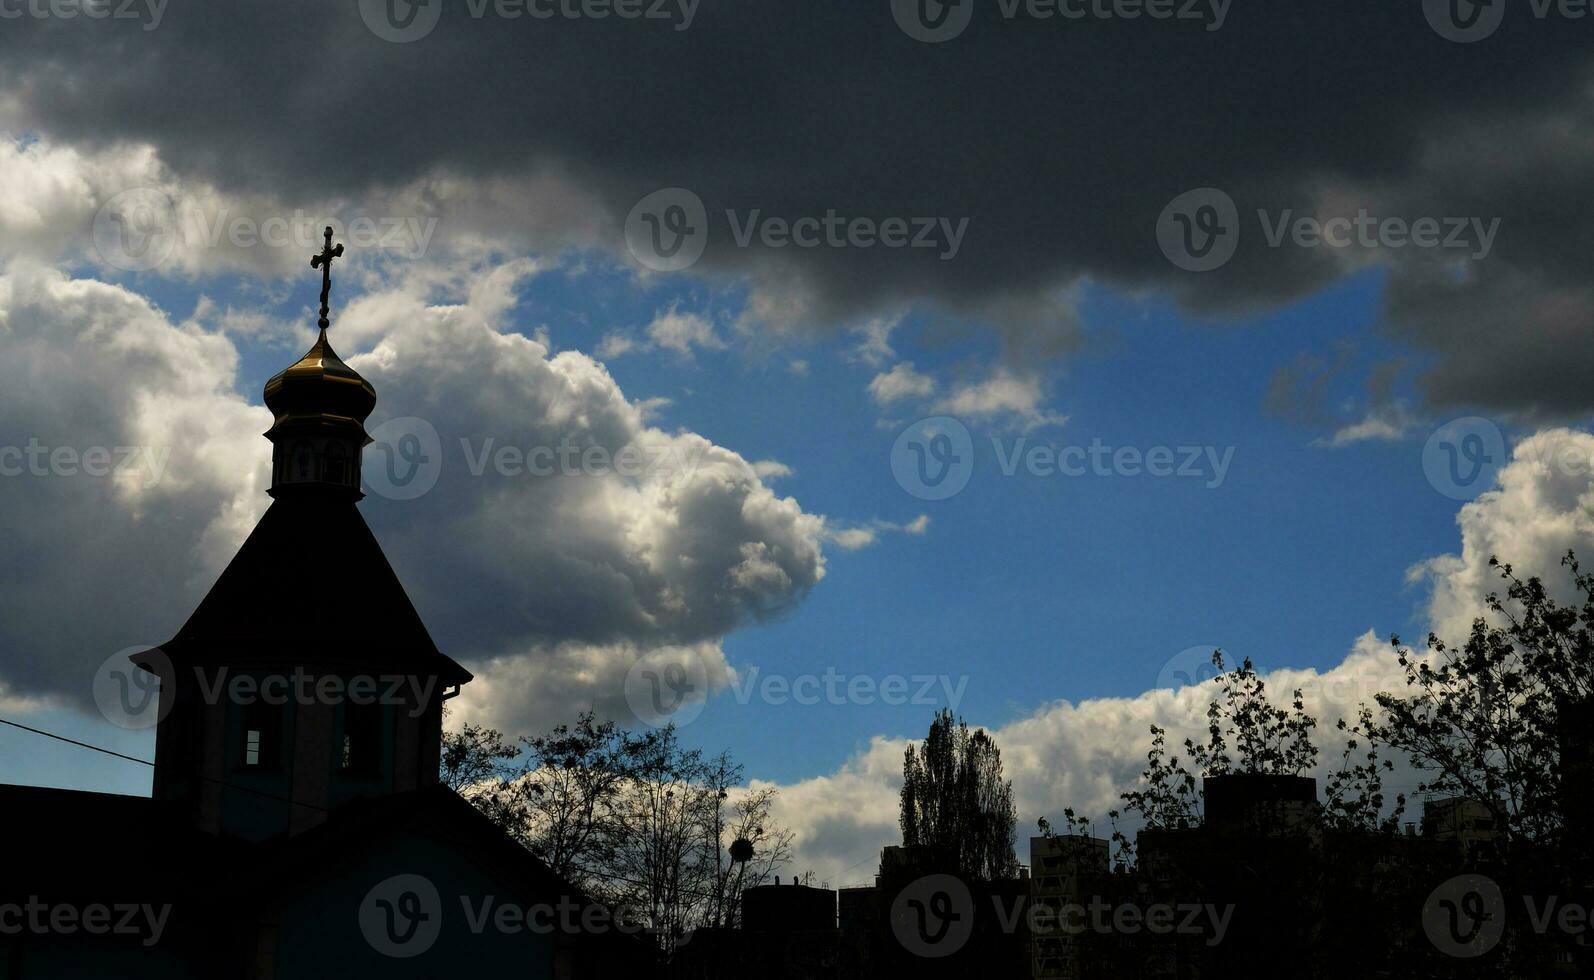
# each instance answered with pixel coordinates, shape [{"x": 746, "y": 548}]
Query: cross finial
[{"x": 324, "y": 263}]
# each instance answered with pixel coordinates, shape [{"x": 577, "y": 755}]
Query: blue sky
[
  {"x": 1033, "y": 587},
  {"x": 1110, "y": 286},
  {"x": 1051, "y": 587}
]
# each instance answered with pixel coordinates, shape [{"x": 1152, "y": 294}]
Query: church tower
[{"x": 305, "y": 678}]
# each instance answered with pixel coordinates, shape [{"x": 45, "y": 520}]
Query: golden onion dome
[{"x": 320, "y": 385}]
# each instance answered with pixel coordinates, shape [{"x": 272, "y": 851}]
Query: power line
[
  {"x": 73, "y": 741},
  {"x": 837, "y": 876},
  {"x": 145, "y": 762}
]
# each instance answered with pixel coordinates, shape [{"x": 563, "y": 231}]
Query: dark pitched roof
[
  {"x": 312, "y": 587},
  {"x": 286, "y": 865},
  {"x": 433, "y": 810},
  {"x": 71, "y": 846},
  {"x": 64, "y": 843}
]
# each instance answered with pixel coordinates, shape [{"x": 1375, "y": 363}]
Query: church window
[
  {"x": 262, "y": 736},
  {"x": 337, "y": 461},
  {"x": 362, "y": 738}
]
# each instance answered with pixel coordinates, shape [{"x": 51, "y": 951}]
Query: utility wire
[
  {"x": 145, "y": 762},
  {"x": 73, "y": 741}
]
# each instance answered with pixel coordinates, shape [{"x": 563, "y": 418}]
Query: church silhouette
[{"x": 297, "y": 828}]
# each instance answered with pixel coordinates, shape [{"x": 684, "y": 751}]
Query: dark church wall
[
  {"x": 345, "y": 785},
  {"x": 35, "y": 956},
  {"x": 254, "y": 801},
  {"x": 83, "y": 958},
  {"x": 301, "y": 774},
  {"x": 337, "y": 926}
]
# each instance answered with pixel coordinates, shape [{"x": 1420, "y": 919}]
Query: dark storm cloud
[{"x": 1060, "y": 141}]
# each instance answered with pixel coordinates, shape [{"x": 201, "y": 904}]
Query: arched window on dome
[
  {"x": 337, "y": 464},
  {"x": 299, "y": 468}
]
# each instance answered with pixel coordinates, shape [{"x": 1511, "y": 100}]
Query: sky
[{"x": 1009, "y": 363}]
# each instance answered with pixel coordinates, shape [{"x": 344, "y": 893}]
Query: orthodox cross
[{"x": 324, "y": 263}]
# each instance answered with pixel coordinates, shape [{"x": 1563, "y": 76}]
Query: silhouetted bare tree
[
  {"x": 736, "y": 815},
  {"x": 635, "y": 819},
  {"x": 473, "y": 756}
]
